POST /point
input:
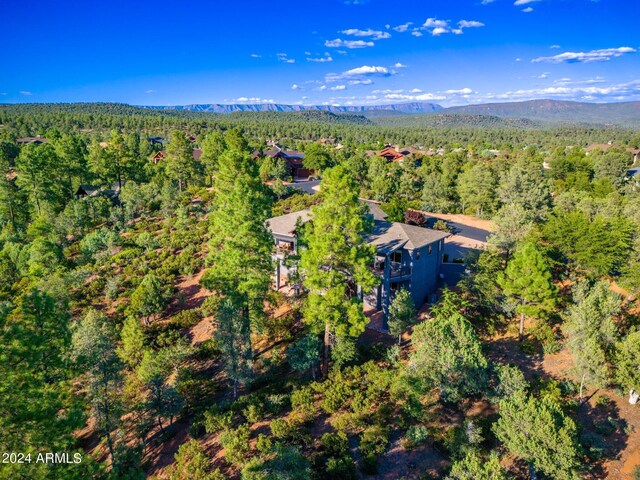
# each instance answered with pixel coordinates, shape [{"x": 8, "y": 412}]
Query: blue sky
[{"x": 347, "y": 52}]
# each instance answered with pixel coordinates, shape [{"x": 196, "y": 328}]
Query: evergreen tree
[
  {"x": 337, "y": 261},
  {"x": 527, "y": 280},
  {"x": 448, "y": 356},
  {"x": 240, "y": 246},
  {"x": 303, "y": 355},
  {"x": 148, "y": 298},
  {"x": 592, "y": 331},
  {"x": 540, "y": 433},
  {"x": 213, "y": 146},
  {"x": 474, "y": 467},
  {"x": 133, "y": 342},
  {"x": 401, "y": 313},
  {"x": 94, "y": 352},
  {"x": 180, "y": 164},
  {"x": 627, "y": 363}
]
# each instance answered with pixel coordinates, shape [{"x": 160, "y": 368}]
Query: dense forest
[{"x": 139, "y": 328}]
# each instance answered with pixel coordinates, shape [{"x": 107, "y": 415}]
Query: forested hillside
[{"x": 139, "y": 326}]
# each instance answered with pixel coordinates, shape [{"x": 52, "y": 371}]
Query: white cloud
[
  {"x": 554, "y": 46},
  {"x": 150, "y": 91},
  {"x": 462, "y": 91},
  {"x": 376, "y": 34},
  {"x": 399, "y": 65},
  {"x": 524, "y": 2},
  {"x": 403, "y": 28},
  {"x": 527, "y": 10},
  {"x": 433, "y": 22},
  {"x": 253, "y": 100},
  {"x": 339, "y": 87},
  {"x": 322, "y": 88},
  {"x": 518, "y": 59},
  {"x": 601, "y": 55},
  {"x": 457, "y": 31},
  {"x": 366, "y": 81},
  {"x": 470, "y": 24},
  {"x": 339, "y": 43},
  {"x": 544, "y": 75},
  {"x": 424, "y": 97},
  {"x": 256, "y": 55},
  {"x": 359, "y": 73},
  {"x": 283, "y": 57},
  {"x": 295, "y": 86},
  {"x": 416, "y": 33},
  {"x": 416, "y": 90},
  {"x": 25, "y": 92},
  {"x": 487, "y": 2},
  {"x": 326, "y": 58},
  {"x": 438, "y": 31}
]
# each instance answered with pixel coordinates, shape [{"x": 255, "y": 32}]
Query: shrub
[
  {"x": 342, "y": 468},
  {"x": 373, "y": 443},
  {"x": 302, "y": 403},
  {"x": 283, "y": 429},
  {"x": 192, "y": 463},
  {"x": 277, "y": 402},
  {"x": 216, "y": 421},
  {"x": 186, "y": 318},
  {"x": 335, "y": 444},
  {"x": 264, "y": 444},
  {"x": 415, "y": 435},
  {"x": 254, "y": 412},
  {"x": 236, "y": 444}
]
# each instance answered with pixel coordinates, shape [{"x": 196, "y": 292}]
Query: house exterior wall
[{"x": 425, "y": 271}]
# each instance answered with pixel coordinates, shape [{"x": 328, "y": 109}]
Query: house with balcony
[{"x": 407, "y": 256}]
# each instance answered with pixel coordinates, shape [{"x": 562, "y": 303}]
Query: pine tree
[
  {"x": 240, "y": 247},
  {"x": 148, "y": 298},
  {"x": 527, "y": 280},
  {"x": 337, "y": 261},
  {"x": 401, "y": 313},
  {"x": 233, "y": 337},
  {"x": 540, "y": 433},
  {"x": 592, "y": 331},
  {"x": 94, "y": 352},
  {"x": 180, "y": 164},
  {"x": 627, "y": 363},
  {"x": 133, "y": 342},
  {"x": 448, "y": 356}
]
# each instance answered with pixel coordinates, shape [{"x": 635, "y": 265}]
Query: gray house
[{"x": 407, "y": 256}]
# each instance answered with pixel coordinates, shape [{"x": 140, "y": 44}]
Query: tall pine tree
[{"x": 337, "y": 261}]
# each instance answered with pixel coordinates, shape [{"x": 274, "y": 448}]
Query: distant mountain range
[
  {"x": 624, "y": 113},
  {"x": 556, "y": 110},
  {"x": 406, "y": 108}
]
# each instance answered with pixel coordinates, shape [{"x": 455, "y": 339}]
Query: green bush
[
  {"x": 216, "y": 421},
  {"x": 283, "y": 429},
  {"x": 264, "y": 444},
  {"x": 236, "y": 444},
  {"x": 415, "y": 435},
  {"x": 335, "y": 444},
  {"x": 373, "y": 443},
  {"x": 341, "y": 468},
  {"x": 254, "y": 412},
  {"x": 186, "y": 318},
  {"x": 302, "y": 403}
]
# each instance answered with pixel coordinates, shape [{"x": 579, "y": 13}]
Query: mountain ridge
[{"x": 619, "y": 113}]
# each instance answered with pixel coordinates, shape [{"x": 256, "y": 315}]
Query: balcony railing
[{"x": 397, "y": 269}]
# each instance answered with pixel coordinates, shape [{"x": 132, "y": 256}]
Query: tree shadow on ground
[{"x": 603, "y": 434}]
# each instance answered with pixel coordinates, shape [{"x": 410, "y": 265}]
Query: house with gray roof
[{"x": 407, "y": 256}]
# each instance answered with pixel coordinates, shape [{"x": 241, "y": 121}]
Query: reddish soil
[{"x": 622, "y": 446}]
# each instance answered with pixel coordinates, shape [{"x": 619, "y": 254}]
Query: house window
[
  {"x": 394, "y": 286},
  {"x": 430, "y": 249},
  {"x": 417, "y": 254},
  {"x": 396, "y": 257}
]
